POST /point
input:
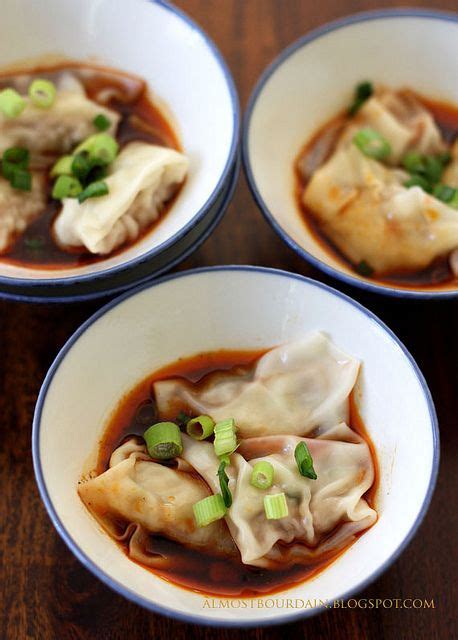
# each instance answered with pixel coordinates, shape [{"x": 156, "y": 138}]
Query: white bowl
[
  {"x": 183, "y": 69},
  {"x": 314, "y": 79},
  {"x": 233, "y": 308}
]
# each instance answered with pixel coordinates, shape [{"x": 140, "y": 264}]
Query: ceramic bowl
[
  {"x": 233, "y": 308},
  {"x": 186, "y": 72},
  {"x": 314, "y": 79}
]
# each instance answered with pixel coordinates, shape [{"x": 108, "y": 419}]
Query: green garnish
[
  {"x": 417, "y": 180},
  {"x": 304, "y": 461},
  {"x": 446, "y": 194},
  {"x": 224, "y": 483},
  {"x": 22, "y": 180},
  {"x": 66, "y": 187},
  {"x": 101, "y": 122},
  {"x": 364, "y": 269},
  {"x": 200, "y": 428},
  {"x": 93, "y": 190},
  {"x": 209, "y": 510},
  {"x": 101, "y": 148},
  {"x": 15, "y": 163},
  {"x": 372, "y": 144},
  {"x": 275, "y": 506},
  {"x": 225, "y": 438},
  {"x": 182, "y": 418},
  {"x": 425, "y": 171},
  {"x": 163, "y": 440},
  {"x": 262, "y": 475},
  {"x": 35, "y": 243},
  {"x": 81, "y": 166},
  {"x": 363, "y": 91},
  {"x": 11, "y": 103},
  {"x": 42, "y": 93},
  {"x": 63, "y": 166}
]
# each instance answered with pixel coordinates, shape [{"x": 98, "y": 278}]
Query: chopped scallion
[
  {"x": 262, "y": 475},
  {"x": 101, "y": 122},
  {"x": 225, "y": 437},
  {"x": 182, "y": 418},
  {"x": 11, "y": 103},
  {"x": 275, "y": 506},
  {"x": 200, "y": 428},
  {"x": 416, "y": 180},
  {"x": 93, "y": 190},
  {"x": 21, "y": 179},
  {"x": 163, "y": 440},
  {"x": 66, "y": 187},
  {"x": 446, "y": 194},
  {"x": 81, "y": 166},
  {"x": 372, "y": 144},
  {"x": 209, "y": 510},
  {"x": 363, "y": 91},
  {"x": 42, "y": 93},
  {"x": 101, "y": 148},
  {"x": 224, "y": 483},
  {"x": 62, "y": 167},
  {"x": 304, "y": 461}
]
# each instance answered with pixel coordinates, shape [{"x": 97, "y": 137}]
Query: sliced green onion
[
  {"x": 304, "y": 461},
  {"x": 101, "y": 148},
  {"x": 11, "y": 103},
  {"x": 446, "y": 194},
  {"x": 209, "y": 510},
  {"x": 225, "y": 438},
  {"x": 364, "y": 268},
  {"x": 101, "y": 122},
  {"x": 224, "y": 483},
  {"x": 21, "y": 179},
  {"x": 63, "y": 167},
  {"x": 163, "y": 440},
  {"x": 200, "y": 428},
  {"x": 93, "y": 190},
  {"x": 419, "y": 181},
  {"x": 372, "y": 144},
  {"x": 275, "y": 506},
  {"x": 413, "y": 162},
  {"x": 81, "y": 166},
  {"x": 433, "y": 168},
  {"x": 444, "y": 157},
  {"x": 66, "y": 187},
  {"x": 182, "y": 418},
  {"x": 42, "y": 93},
  {"x": 262, "y": 475},
  {"x": 35, "y": 242},
  {"x": 17, "y": 155},
  {"x": 363, "y": 91}
]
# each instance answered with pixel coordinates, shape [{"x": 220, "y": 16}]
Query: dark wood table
[{"x": 45, "y": 592}]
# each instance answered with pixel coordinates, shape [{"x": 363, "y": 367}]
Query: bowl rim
[
  {"x": 120, "y": 588},
  {"x": 301, "y": 42},
  {"x": 231, "y": 157},
  {"x": 119, "y": 287}
]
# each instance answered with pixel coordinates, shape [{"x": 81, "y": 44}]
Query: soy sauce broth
[
  {"x": 438, "y": 274},
  {"x": 198, "y": 571},
  {"x": 141, "y": 120}
]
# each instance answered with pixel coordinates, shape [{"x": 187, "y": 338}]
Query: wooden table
[{"x": 45, "y": 592}]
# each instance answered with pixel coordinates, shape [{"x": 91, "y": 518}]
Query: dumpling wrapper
[
  {"x": 18, "y": 209},
  {"x": 152, "y": 499},
  {"x": 362, "y": 207},
  {"x": 316, "y": 507},
  {"x": 142, "y": 178},
  {"x": 293, "y": 389},
  {"x": 60, "y": 128},
  {"x": 401, "y": 119}
]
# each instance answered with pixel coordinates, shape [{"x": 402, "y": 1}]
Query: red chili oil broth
[
  {"x": 437, "y": 274},
  {"x": 141, "y": 120},
  {"x": 197, "y": 571}
]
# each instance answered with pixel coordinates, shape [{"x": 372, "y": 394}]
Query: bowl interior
[
  {"x": 232, "y": 308},
  {"x": 315, "y": 80},
  {"x": 181, "y": 68}
]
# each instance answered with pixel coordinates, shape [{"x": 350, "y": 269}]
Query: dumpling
[
  {"x": 142, "y": 178},
  {"x": 293, "y": 389},
  {"x": 58, "y": 129},
  {"x": 401, "y": 119},
  {"x": 138, "y": 495},
  {"x": 316, "y": 507},
  {"x": 18, "y": 209},
  {"x": 362, "y": 207}
]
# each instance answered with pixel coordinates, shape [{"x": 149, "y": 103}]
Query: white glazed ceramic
[
  {"x": 184, "y": 70},
  {"x": 233, "y": 308},
  {"x": 312, "y": 81}
]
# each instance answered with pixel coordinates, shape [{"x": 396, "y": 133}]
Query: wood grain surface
[{"x": 45, "y": 592}]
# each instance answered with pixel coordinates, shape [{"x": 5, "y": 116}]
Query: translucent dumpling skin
[{"x": 141, "y": 179}]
